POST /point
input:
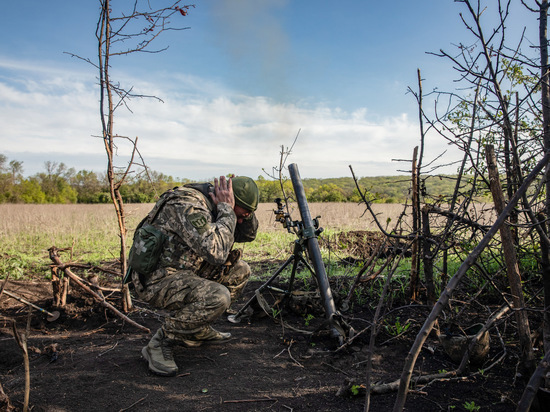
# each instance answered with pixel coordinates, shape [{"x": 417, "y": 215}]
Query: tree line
[{"x": 61, "y": 184}]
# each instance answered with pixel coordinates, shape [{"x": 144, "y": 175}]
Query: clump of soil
[{"x": 362, "y": 244}]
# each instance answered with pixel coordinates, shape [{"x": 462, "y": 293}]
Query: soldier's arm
[{"x": 210, "y": 239}]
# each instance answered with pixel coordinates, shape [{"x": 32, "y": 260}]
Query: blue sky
[{"x": 240, "y": 83}]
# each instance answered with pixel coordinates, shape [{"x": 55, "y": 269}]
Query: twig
[
  {"x": 5, "y": 400},
  {"x": 335, "y": 368},
  {"x": 4, "y": 284},
  {"x": 292, "y": 357},
  {"x": 108, "y": 350},
  {"x": 100, "y": 329},
  {"x": 81, "y": 266},
  {"x": 134, "y": 404},
  {"x": 249, "y": 400},
  {"x": 21, "y": 340},
  {"x": 376, "y": 326},
  {"x": 350, "y": 340}
]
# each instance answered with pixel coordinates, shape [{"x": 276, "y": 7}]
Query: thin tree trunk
[
  {"x": 427, "y": 258},
  {"x": 545, "y": 97},
  {"x": 524, "y": 404},
  {"x": 375, "y": 328},
  {"x": 107, "y": 119},
  {"x": 512, "y": 268},
  {"x": 414, "y": 279}
]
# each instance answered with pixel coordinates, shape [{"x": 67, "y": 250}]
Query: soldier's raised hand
[{"x": 223, "y": 191}]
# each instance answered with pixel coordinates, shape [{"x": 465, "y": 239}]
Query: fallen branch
[
  {"x": 55, "y": 258},
  {"x": 134, "y": 404},
  {"x": 292, "y": 357},
  {"x": 21, "y": 339},
  {"x": 5, "y": 402},
  {"x": 81, "y": 266},
  {"x": 250, "y": 400},
  {"x": 394, "y": 386},
  {"x": 533, "y": 386},
  {"x": 4, "y": 284},
  {"x": 98, "y": 287}
]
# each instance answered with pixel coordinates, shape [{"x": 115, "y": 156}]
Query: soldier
[{"x": 197, "y": 274}]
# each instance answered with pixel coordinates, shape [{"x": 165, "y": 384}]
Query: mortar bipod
[
  {"x": 307, "y": 231},
  {"x": 333, "y": 319}
]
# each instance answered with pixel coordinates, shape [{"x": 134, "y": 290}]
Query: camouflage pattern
[
  {"x": 233, "y": 274},
  {"x": 196, "y": 276}
]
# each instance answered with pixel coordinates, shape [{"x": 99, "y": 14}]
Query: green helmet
[{"x": 246, "y": 192}]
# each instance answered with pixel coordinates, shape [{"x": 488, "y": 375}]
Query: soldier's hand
[{"x": 223, "y": 191}]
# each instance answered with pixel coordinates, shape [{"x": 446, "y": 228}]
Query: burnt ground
[{"x": 89, "y": 360}]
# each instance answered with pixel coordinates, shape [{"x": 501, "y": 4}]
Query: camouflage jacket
[{"x": 198, "y": 232}]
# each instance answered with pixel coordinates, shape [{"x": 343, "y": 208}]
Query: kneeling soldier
[{"x": 182, "y": 260}]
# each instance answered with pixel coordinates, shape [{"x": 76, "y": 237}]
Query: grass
[{"x": 28, "y": 231}]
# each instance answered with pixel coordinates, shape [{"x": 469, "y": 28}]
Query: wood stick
[
  {"x": 250, "y": 400},
  {"x": 55, "y": 258}
]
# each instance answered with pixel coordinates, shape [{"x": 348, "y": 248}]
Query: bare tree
[{"x": 119, "y": 34}]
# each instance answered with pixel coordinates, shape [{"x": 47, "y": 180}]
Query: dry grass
[
  {"x": 53, "y": 221},
  {"x": 334, "y": 216},
  {"x": 28, "y": 231},
  {"x": 90, "y": 229}
]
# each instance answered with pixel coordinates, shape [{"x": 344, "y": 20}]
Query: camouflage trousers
[
  {"x": 233, "y": 274},
  {"x": 194, "y": 302}
]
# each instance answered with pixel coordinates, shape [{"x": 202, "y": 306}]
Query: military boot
[
  {"x": 206, "y": 334},
  {"x": 158, "y": 353}
]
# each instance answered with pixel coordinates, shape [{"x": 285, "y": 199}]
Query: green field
[{"x": 27, "y": 231}]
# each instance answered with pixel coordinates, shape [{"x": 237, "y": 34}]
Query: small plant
[
  {"x": 397, "y": 328},
  {"x": 308, "y": 318},
  {"x": 360, "y": 297},
  {"x": 356, "y": 389},
  {"x": 471, "y": 406},
  {"x": 275, "y": 312},
  {"x": 13, "y": 266}
]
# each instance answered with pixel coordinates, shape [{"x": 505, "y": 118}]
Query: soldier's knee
[
  {"x": 242, "y": 269},
  {"x": 222, "y": 298}
]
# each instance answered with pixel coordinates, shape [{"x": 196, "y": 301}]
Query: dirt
[{"x": 89, "y": 360}]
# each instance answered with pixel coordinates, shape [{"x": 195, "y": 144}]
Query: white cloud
[{"x": 197, "y": 135}]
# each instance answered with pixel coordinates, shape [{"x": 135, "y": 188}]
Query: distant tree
[
  {"x": 55, "y": 183},
  {"x": 29, "y": 191},
  {"x": 270, "y": 189},
  {"x": 16, "y": 170},
  {"x": 3, "y": 160},
  {"x": 327, "y": 193},
  {"x": 88, "y": 187},
  {"x": 6, "y": 185}
]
